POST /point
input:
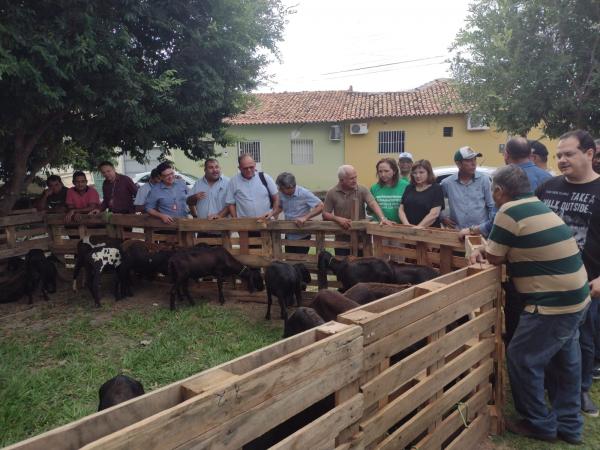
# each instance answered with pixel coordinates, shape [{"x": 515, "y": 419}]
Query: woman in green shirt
[{"x": 389, "y": 188}]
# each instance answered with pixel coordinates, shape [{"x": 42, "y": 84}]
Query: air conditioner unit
[
  {"x": 359, "y": 128},
  {"x": 335, "y": 133},
  {"x": 476, "y": 122}
]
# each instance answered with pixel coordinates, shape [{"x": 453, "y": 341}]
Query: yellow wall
[{"x": 424, "y": 139}]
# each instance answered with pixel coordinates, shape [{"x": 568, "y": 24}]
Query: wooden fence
[
  {"x": 396, "y": 373},
  {"x": 446, "y": 393}
]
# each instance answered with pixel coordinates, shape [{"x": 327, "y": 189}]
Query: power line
[{"x": 383, "y": 65}]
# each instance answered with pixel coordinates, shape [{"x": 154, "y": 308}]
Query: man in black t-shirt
[
  {"x": 54, "y": 198},
  {"x": 575, "y": 197}
]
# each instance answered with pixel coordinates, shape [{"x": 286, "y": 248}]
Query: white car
[
  {"x": 142, "y": 178},
  {"x": 445, "y": 171}
]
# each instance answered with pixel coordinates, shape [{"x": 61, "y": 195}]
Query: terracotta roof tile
[{"x": 435, "y": 98}]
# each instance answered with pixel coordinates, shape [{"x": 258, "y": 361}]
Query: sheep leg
[
  {"x": 117, "y": 287},
  {"x": 282, "y": 304},
  {"x": 298, "y": 295},
  {"x": 220, "y": 287},
  {"x": 186, "y": 291},
  {"x": 95, "y": 287},
  {"x": 173, "y": 294},
  {"x": 269, "y": 302}
]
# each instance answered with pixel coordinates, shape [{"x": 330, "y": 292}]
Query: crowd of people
[{"x": 545, "y": 228}]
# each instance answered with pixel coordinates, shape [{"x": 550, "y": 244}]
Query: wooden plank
[
  {"x": 402, "y": 372},
  {"x": 409, "y": 234},
  {"x": 202, "y": 384},
  {"x": 270, "y": 383},
  {"x": 410, "y": 334},
  {"x": 11, "y": 236},
  {"x": 422, "y": 254},
  {"x": 409, "y": 431},
  {"x": 24, "y": 247},
  {"x": 90, "y": 428},
  {"x": 326, "y": 427},
  {"x": 22, "y": 219},
  {"x": 240, "y": 224},
  {"x": 41, "y": 230},
  {"x": 420, "y": 307},
  {"x": 376, "y": 426},
  {"x": 445, "y": 259},
  {"x": 469, "y": 438},
  {"x": 313, "y": 225}
]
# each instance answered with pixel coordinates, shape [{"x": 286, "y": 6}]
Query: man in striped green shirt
[{"x": 545, "y": 264}]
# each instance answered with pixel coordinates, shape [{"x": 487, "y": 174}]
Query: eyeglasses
[
  {"x": 170, "y": 174},
  {"x": 248, "y": 168}
]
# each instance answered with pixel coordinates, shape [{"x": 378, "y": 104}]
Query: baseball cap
[
  {"x": 406, "y": 155},
  {"x": 465, "y": 153}
]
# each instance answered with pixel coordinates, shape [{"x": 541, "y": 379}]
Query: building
[{"x": 312, "y": 133}]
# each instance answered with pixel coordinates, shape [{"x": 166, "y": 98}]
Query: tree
[
  {"x": 530, "y": 63},
  {"x": 113, "y": 76}
]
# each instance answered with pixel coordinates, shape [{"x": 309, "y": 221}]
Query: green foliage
[
  {"x": 524, "y": 63},
  {"x": 103, "y": 75}
]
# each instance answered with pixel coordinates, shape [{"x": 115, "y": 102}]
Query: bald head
[{"x": 517, "y": 150}]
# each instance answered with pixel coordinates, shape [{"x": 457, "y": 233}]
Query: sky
[{"x": 326, "y": 40}]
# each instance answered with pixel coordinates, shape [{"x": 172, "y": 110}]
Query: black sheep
[
  {"x": 285, "y": 281},
  {"x": 40, "y": 272},
  {"x": 198, "y": 262},
  {"x": 117, "y": 390},
  {"x": 328, "y": 304},
  {"x": 301, "y": 320}
]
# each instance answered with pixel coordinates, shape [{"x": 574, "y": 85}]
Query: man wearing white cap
[
  {"x": 468, "y": 192},
  {"x": 405, "y": 162}
]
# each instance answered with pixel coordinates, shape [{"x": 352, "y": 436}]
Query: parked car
[
  {"x": 443, "y": 172},
  {"x": 142, "y": 178}
]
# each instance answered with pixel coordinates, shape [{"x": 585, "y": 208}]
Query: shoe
[
  {"x": 596, "y": 373},
  {"x": 523, "y": 428},
  {"x": 588, "y": 407},
  {"x": 569, "y": 439}
]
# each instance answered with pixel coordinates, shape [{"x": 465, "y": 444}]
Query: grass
[
  {"x": 591, "y": 431},
  {"x": 52, "y": 368}
]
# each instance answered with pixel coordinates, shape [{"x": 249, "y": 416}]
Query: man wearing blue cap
[{"x": 468, "y": 192}]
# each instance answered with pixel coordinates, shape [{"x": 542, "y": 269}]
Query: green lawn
[
  {"x": 53, "y": 363},
  {"x": 591, "y": 433}
]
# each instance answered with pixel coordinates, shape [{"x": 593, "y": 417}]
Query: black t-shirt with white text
[{"x": 579, "y": 207}]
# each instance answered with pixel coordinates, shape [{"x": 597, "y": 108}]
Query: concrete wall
[{"x": 276, "y": 153}]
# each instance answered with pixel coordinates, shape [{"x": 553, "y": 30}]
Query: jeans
[
  {"x": 546, "y": 348},
  {"x": 513, "y": 307},
  {"x": 299, "y": 250},
  {"x": 587, "y": 336}
]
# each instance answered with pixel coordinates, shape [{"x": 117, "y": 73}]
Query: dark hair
[
  {"x": 208, "y": 160},
  {"x": 285, "y": 180},
  {"x": 53, "y": 178},
  {"x": 163, "y": 166},
  {"x": 518, "y": 148},
  {"x": 244, "y": 156},
  {"x": 425, "y": 165},
  {"x": 105, "y": 163},
  {"x": 154, "y": 173},
  {"x": 393, "y": 165},
  {"x": 539, "y": 149},
  {"x": 512, "y": 179},
  {"x": 586, "y": 141},
  {"x": 78, "y": 173}
]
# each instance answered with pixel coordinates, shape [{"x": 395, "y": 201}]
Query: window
[
  {"x": 302, "y": 151},
  {"x": 391, "y": 142},
  {"x": 250, "y": 147},
  {"x": 448, "y": 131}
]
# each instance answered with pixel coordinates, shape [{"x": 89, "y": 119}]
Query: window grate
[
  {"x": 302, "y": 151},
  {"x": 448, "y": 131},
  {"x": 391, "y": 142},
  {"x": 251, "y": 148}
]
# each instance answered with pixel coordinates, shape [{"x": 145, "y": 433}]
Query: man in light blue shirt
[
  {"x": 247, "y": 195},
  {"x": 468, "y": 192},
  {"x": 298, "y": 204},
  {"x": 517, "y": 151},
  {"x": 144, "y": 191},
  {"x": 208, "y": 194},
  {"x": 168, "y": 199}
]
